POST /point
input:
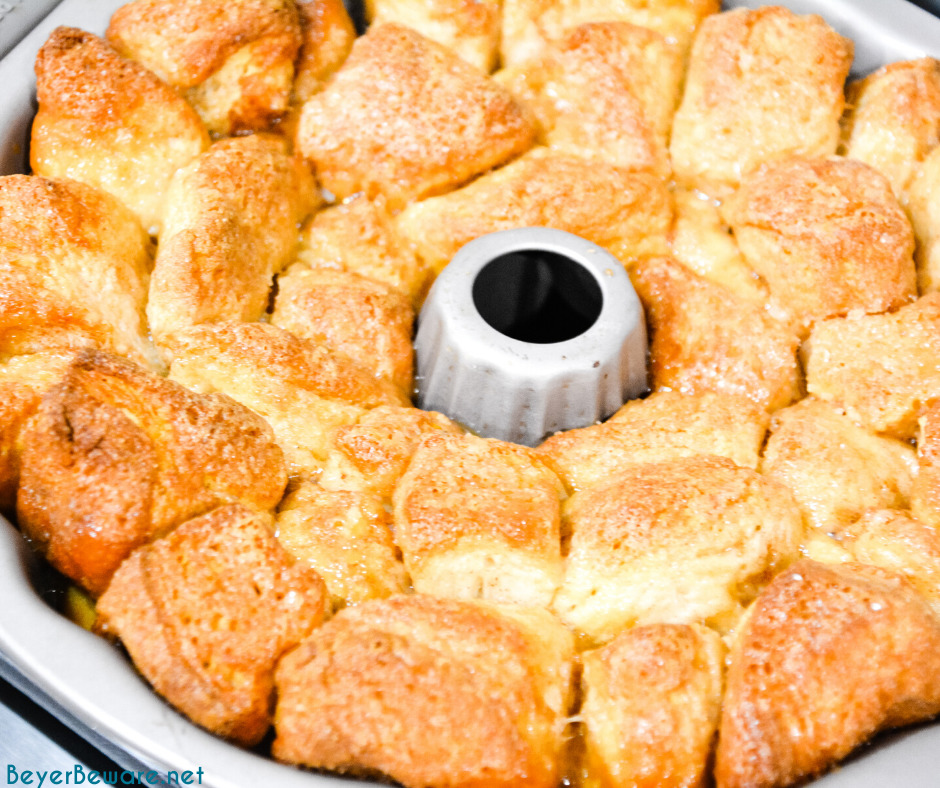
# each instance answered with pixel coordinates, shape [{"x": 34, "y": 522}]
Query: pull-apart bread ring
[
  {"x": 827, "y": 657},
  {"x": 490, "y": 684},
  {"x": 116, "y": 456},
  {"x": 233, "y": 60},
  {"x": 74, "y": 270},
  {"x": 208, "y": 611},
  {"x": 109, "y": 122}
]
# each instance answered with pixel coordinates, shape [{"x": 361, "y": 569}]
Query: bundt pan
[{"x": 90, "y": 685}]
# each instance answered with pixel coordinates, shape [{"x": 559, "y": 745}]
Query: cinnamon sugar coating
[
  {"x": 491, "y": 685},
  {"x": 207, "y": 612},
  {"x": 829, "y": 656},
  {"x": 108, "y": 121},
  {"x": 233, "y": 61},
  {"x": 434, "y": 121},
  {"x": 116, "y": 456},
  {"x": 74, "y": 270}
]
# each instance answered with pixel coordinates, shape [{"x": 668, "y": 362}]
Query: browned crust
[
  {"x": 705, "y": 338},
  {"x": 186, "y": 41},
  {"x": 206, "y": 613},
  {"x": 328, "y": 35},
  {"x": 428, "y": 692},
  {"x": 829, "y": 656},
  {"x": 652, "y": 698},
  {"x": 460, "y": 487},
  {"x": 351, "y": 314},
  {"x": 435, "y": 121},
  {"x": 116, "y": 456}
]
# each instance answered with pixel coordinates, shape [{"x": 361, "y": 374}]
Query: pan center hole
[{"x": 537, "y": 296}]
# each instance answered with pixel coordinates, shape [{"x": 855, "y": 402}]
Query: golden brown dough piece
[
  {"x": 207, "y": 612},
  {"x": 705, "y": 338},
  {"x": 924, "y": 209},
  {"x": 827, "y": 235},
  {"x": 893, "y": 119},
  {"x": 664, "y": 426},
  {"x": 894, "y": 540},
  {"x": 652, "y": 698},
  {"x": 925, "y": 499},
  {"x": 433, "y": 120},
  {"x": 836, "y": 469},
  {"x": 829, "y": 656},
  {"x": 109, "y": 122},
  {"x": 233, "y": 60},
  {"x": 479, "y": 518},
  {"x": 684, "y": 541},
  {"x": 486, "y": 687},
  {"x": 303, "y": 390},
  {"x": 116, "y": 456},
  {"x": 74, "y": 269},
  {"x": 328, "y": 34},
  {"x": 762, "y": 84},
  {"x": 528, "y": 25},
  {"x": 230, "y": 226},
  {"x": 607, "y": 90},
  {"x": 703, "y": 243},
  {"x": 882, "y": 370},
  {"x": 358, "y": 317},
  {"x": 358, "y": 236},
  {"x": 470, "y": 30},
  {"x": 23, "y": 381},
  {"x": 371, "y": 455},
  {"x": 628, "y": 213},
  {"x": 346, "y": 537}
]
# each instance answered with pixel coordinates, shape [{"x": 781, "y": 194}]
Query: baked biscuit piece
[
  {"x": 109, "y": 122},
  {"x": 207, "y": 612},
  {"x": 346, "y": 537},
  {"x": 74, "y": 269},
  {"x": 434, "y": 121},
  {"x": 652, "y": 698},
  {"x": 836, "y": 469},
  {"x": 683, "y": 541},
  {"x": 358, "y": 236},
  {"x": 116, "y": 456},
  {"x": 607, "y": 90},
  {"x": 358, "y": 317},
  {"x": 893, "y": 119},
  {"x": 705, "y": 338},
  {"x": 371, "y": 455},
  {"x": 303, "y": 390},
  {"x": 923, "y": 206},
  {"x": 894, "y": 540},
  {"x": 23, "y": 381},
  {"x": 230, "y": 226},
  {"x": 664, "y": 426},
  {"x": 762, "y": 84},
  {"x": 492, "y": 684},
  {"x": 528, "y": 25},
  {"x": 882, "y": 370},
  {"x": 470, "y": 30},
  {"x": 628, "y": 213},
  {"x": 703, "y": 243},
  {"x": 479, "y": 518},
  {"x": 327, "y": 34},
  {"x": 827, "y": 235},
  {"x": 925, "y": 498},
  {"x": 233, "y": 60},
  {"x": 829, "y": 656}
]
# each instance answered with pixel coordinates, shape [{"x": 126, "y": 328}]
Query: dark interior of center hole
[{"x": 537, "y": 296}]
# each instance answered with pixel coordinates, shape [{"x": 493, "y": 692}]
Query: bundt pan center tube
[{"x": 528, "y": 332}]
